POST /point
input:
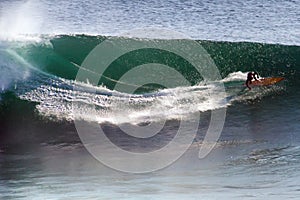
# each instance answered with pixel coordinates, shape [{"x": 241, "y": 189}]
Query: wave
[
  {"x": 60, "y": 55},
  {"x": 43, "y": 72}
]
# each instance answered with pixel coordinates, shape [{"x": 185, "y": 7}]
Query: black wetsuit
[{"x": 250, "y": 76}]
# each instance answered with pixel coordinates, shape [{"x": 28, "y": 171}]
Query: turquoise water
[{"x": 42, "y": 47}]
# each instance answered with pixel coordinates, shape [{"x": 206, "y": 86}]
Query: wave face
[
  {"x": 38, "y": 75},
  {"x": 59, "y": 56}
]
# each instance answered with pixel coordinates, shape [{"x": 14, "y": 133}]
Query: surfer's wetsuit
[{"x": 250, "y": 76}]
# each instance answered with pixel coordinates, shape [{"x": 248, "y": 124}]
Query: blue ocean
[{"x": 146, "y": 99}]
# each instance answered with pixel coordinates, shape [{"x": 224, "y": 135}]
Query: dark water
[{"x": 43, "y": 157}]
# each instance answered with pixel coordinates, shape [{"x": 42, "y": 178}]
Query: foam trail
[
  {"x": 174, "y": 103},
  {"x": 235, "y": 76},
  {"x": 103, "y": 105}
]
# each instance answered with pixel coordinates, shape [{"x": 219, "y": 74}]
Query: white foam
[
  {"x": 235, "y": 76},
  {"x": 103, "y": 105}
]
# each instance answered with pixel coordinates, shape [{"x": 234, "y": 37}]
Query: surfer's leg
[{"x": 247, "y": 84}]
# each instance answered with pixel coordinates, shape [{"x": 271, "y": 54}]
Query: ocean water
[{"x": 190, "y": 130}]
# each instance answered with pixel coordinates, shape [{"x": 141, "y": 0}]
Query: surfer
[{"x": 250, "y": 77}]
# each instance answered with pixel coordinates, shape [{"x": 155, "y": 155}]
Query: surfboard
[{"x": 266, "y": 81}]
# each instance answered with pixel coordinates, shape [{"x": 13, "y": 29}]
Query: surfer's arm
[{"x": 256, "y": 76}]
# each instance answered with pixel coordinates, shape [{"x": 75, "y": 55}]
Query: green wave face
[{"x": 64, "y": 54}]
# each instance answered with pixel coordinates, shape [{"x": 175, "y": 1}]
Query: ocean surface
[{"x": 54, "y": 99}]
